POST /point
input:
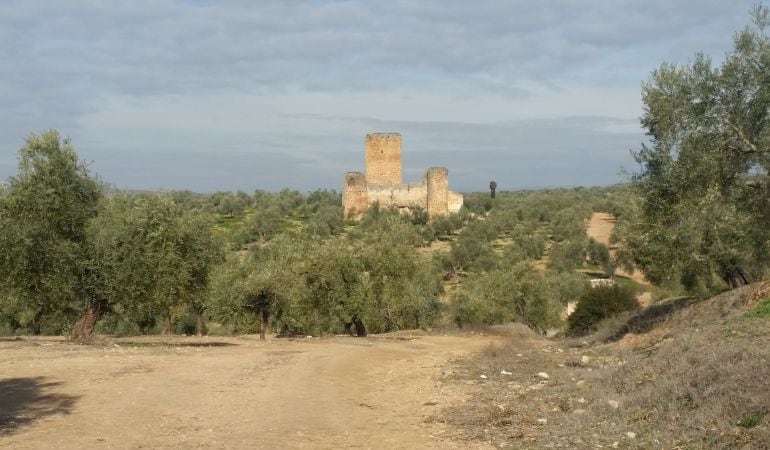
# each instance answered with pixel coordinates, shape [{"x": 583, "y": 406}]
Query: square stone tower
[{"x": 383, "y": 158}]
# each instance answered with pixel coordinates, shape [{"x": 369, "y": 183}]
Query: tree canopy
[
  {"x": 149, "y": 257},
  {"x": 43, "y": 216},
  {"x": 702, "y": 219}
]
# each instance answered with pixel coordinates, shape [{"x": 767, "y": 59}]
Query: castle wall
[
  {"x": 399, "y": 195},
  {"x": 455, "y": 202},
  {"x": 437, "y": 180},
  {"x": 354, "y": 195},
  {"x": 383, "y": 158}
]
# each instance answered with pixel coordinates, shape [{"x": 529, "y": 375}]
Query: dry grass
[{"x": 692, "y": 378}]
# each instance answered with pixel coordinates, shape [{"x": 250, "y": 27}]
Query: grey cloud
[
  {"x": 204, "y": 172},
  {"x": 146, "y": 47},
  {"x": 61, "y": 60},
  {"x": 520, "y": 154}
]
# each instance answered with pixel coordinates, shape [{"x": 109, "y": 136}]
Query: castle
[{"x": 382, "y": 183}]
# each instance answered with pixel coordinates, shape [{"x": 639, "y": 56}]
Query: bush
[
  {"x": 566, "y": 256},
  {"x": 597, "y": 304},
  {"x": 442, "y": 228},
  {"x": 516, "y": 294},
  {"x": 468, "y": 250},
  {"x": 762, "y": 309},
  {"x": 116, "y": 325},
  {"x": 326, "y": 221},
  {"x": 599, "y": 255},
  {"x": 185, "y": 324}
]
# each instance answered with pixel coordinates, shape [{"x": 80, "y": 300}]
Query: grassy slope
[{"x": 695, "y": 379}]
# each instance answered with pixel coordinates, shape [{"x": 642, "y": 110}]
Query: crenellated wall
[
  {"x": 398, "y": 195},
  {"x": 382, "y": 183}
]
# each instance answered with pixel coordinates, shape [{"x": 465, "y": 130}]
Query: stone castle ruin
[{"x": 382, "y": 183}]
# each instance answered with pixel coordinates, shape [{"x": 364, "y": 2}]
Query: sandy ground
[{"x": 211, "y": 392}]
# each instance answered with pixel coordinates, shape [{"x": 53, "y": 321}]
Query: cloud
[
  {"x": 147, "y": 47},
  {"x": 298, "y": 78},
  {"x": 517, "y": 154}
]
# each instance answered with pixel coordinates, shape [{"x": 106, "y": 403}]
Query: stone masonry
[{"x": 382, "y": 183}]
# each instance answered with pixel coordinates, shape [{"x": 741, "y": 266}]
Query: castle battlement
[{"x": 382, "y": 183}]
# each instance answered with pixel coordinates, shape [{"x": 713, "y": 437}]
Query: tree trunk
[
  {"x": 263, "y": 323},
  {"x": 390, "y": 323},
  {"x": 84, "y": 328},
  {"x": 200, "y": 323},
  {"x": 36, "y": 319},
  {"x": 360, "y": 328},
  {"x": 736, "y": 277},
  {"x": 166, "y": 324}
]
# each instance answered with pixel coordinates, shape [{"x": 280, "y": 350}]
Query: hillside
[{"x": 694, "y": 379}]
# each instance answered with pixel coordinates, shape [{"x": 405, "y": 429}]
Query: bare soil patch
[{"x": 210, "y": 392}]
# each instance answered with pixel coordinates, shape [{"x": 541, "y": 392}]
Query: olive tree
[
  {"x": 147, "y": 258},
  {"x": 703, "y": 209},
  {"x": 262, "y": 286},
  {"x": 43, "y": 216},
  {"x": 517, "y": 293}
]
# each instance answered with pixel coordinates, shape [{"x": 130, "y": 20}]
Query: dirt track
[
  {"x": 230, "y": 392},
  {"x": 600, "y": 227}
]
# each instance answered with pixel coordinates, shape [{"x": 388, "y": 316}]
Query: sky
[{"x": 271, "y": 94}]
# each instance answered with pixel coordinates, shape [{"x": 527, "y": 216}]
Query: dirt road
[
  {"x": 230, "y": 392},
  {"x": 600, "y": 228}
]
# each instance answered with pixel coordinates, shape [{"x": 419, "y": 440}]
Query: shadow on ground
[
  {"x": 25, "y": 400},
  {"x": 648, "y": 318}
]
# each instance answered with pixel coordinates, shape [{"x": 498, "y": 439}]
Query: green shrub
[
  {"x": 185, "y": 324},
  {"x": 751, "y": 420},
  {"x": 600, "y": 303},
  {"x": 599, "y": 255},
  {"x": 7, "y": 328},
  {"x": 566, "y": 256},
  {"x": 326, "y": 221},
  {"x": 116, "y": 325},
  {"x": 514, "y": 294},
  {"x": 762, "y": 309},
  {"x": 441, "y": 228}
]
